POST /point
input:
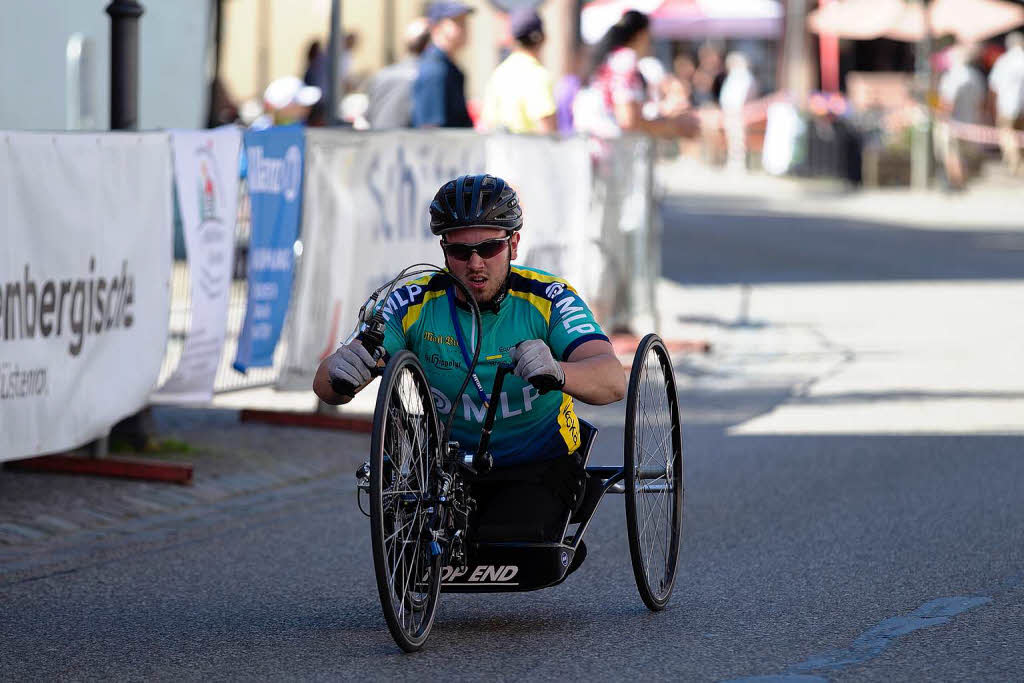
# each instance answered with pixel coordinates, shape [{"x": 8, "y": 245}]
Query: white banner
[
  {"x": 206, "y": 177},
  {"x": 365, "y": 218},
  {"x": 553, "y": 180},
  {"x": 84, "y": 284}
]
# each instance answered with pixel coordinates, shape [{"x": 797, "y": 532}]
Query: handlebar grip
[
  {"x": 373, "y": 342},
  {"x": 342, "y": 388},
  {"x": 483, "y": 462},
  {"x": 372, "y": 339},
  {"x": 545, "y": 383}
]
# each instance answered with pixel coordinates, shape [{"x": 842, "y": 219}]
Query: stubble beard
[{"x": 493, "y": 286}]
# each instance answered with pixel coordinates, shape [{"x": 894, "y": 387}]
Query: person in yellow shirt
[{"x": 519, "y": 97}]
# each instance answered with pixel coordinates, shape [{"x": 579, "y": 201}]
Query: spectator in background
[
  {"x": 565, "y": 93},
  {"x": 738, "y": 88},
  {"x": 316, "y": 66},
  {"x": 653, "y": 73},
  {"x": 675, "y": 96},
  {"x": 287, "y": 100},
  {"x": 316, "y": 75},
  {"x": 438, "y": 93},
  {"x": 708, "y": 78},
  {"x": 223, "y": 110},
  {"x": 961, "y": 93},
  {"x": 684, "y": 68},
  {"x": 678, "y": 96},
  {"x": 519, "y": 96},
  {"x": 1007, "y": 82},
  {"x": 346, "y": 78},
  {"x": 390, "y": 90},
  {"x": 620, "y": 89}
]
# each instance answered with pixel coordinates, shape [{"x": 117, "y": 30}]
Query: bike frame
[{"x": 491, "y": 567}]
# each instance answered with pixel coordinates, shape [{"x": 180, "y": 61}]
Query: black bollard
[
  {"x": 135, "y": 429},
  {"x": 124, "y": 64}
]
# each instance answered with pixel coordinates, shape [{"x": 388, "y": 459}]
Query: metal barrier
[
  {"x": 629, "y": 237},
  {"x": 227, "y": 378},
  {"x": 623, "y": 258}
]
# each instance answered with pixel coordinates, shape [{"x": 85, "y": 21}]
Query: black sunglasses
[{"x": 487, "y": 248}]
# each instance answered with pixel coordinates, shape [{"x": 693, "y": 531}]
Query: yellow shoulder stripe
[
  {"x": 542, "y": 305},
  {"x": 541, "y": 277},
  {"x": 413, "y": 314}
]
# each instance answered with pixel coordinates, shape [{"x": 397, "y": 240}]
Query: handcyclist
[{"x": 531, "y": 319}]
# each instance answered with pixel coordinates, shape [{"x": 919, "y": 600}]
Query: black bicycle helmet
[{"x": 475, "y": 201}]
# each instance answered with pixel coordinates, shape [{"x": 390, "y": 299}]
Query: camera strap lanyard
[{"x": 462, "y": 345}]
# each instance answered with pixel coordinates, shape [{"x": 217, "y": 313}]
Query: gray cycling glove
[
  {"x": 536, "y": 365},
  {"x": 350, "y": 364}
]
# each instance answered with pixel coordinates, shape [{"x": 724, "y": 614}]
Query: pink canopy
[{"x": 689, "y": 19}]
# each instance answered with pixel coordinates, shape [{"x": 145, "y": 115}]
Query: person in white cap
[{"x": 287, "y": 100}]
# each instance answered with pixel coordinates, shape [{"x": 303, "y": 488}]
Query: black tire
[
  {"x": 653, "y": 463},
  {"x": 404, "y": 451}
]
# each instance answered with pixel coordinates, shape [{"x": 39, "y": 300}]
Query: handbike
[{"x": 421, "y": 505}]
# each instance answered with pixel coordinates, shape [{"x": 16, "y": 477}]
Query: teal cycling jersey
[{"x": 528, "y": 426}]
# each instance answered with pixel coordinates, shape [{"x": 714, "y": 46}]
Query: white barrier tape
[
  {"x": 753, "y": 112},
  {"x": 983, "y": 135},
  {"x": 971, "y": 132}
]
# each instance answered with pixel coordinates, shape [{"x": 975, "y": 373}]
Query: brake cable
[{"x": 371, "y": 316}]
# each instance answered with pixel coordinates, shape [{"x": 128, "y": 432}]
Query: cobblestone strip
[{"x": 230, "y": 459}]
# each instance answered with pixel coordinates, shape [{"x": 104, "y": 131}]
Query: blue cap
[
  {"x": 444, "y": 10},
  {"x": 523, "y": 22}
]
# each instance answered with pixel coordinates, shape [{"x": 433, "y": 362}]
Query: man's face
[
  {"x": 484, "y": 277},
  {"x": 455, "y": 28}
]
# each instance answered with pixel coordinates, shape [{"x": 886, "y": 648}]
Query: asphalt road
[{"x": 878, "y": 553}]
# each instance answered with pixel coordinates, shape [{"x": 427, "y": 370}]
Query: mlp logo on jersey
[{"x": 553, "y": 290}]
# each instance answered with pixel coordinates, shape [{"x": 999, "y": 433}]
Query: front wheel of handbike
[
  {"x": 653, "y": 463},
  {"x": 404, "y": 509}
]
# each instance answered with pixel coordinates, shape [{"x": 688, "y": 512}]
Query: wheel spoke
[
  {"x": 652, "y": 515},
  {"x": 410, "y": 572},
  {"x": 407, "y": 570},
  {"x": 660, "y": 445},
  {"x": 396, "y": 532}
]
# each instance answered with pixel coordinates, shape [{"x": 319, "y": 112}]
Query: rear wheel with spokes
[
  {"x": 653, "y": 463},
  {"x": 404, "y": 509}
]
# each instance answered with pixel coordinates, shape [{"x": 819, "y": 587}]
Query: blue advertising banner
[{"x": 273, "y": 161}]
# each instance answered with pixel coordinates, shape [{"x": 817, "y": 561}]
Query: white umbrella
[
  {"x": 968, "y": 20},
  {"x": 857, "y": 19}
]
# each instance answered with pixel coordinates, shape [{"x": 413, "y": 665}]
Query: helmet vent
[{"x": 475, "y": 201}]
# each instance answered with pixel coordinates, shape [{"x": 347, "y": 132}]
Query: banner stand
[
  {"x": 96, "y": 459},
  {"x": 129, "y": 468},
  {"x": 316, "y": 420}
]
